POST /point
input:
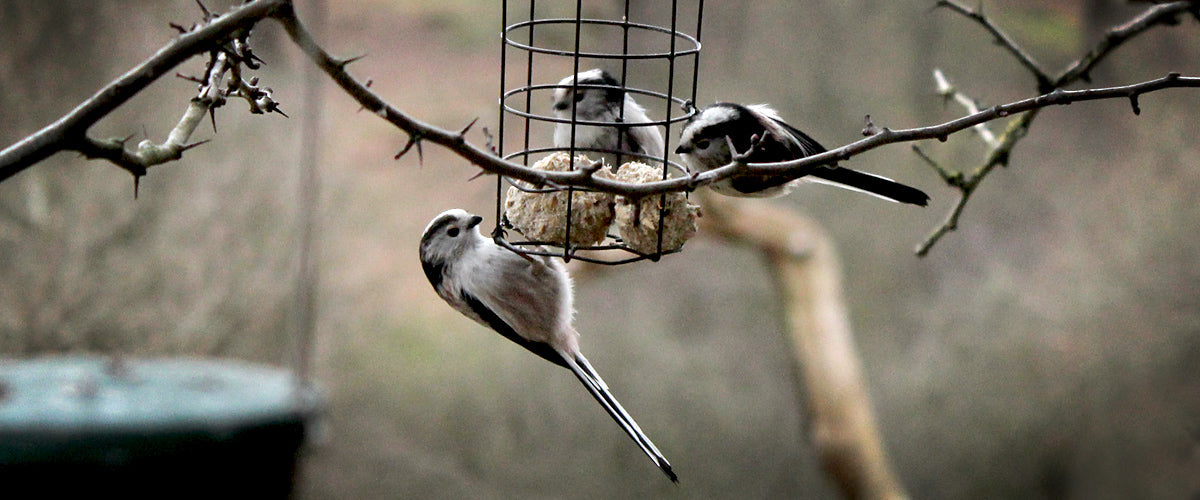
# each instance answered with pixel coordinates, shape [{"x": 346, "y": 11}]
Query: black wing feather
[{"x": 494, "y": 321}]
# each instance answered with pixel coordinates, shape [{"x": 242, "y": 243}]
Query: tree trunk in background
[{"x": 840, "y": 419}]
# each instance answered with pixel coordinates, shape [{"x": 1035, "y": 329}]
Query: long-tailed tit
[
  {"x": 525, "y": 298},
  {"x": 609, "y": 104},
  {"x": 704, "y": 145}
]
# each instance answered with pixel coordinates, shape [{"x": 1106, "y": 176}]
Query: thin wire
[
  {"x": 624, "y": 79},
  {"x": 662, "y": 199},
  {"x": 566, "y": 253},
  {"x": 696, "y": 58},
  {"x": 503, "y": 80},
  {"x": 529, "y": 75}
]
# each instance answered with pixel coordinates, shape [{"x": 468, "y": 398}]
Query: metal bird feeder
[{"x": 642, "y": 46}]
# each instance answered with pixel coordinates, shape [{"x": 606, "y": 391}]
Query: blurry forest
[{"x": 1050, "y": 348}]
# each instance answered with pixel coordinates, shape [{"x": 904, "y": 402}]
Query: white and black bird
[
  {"x": 526, "y": 298},
  {"x": 705, "y": 141},
  {"x": 595, "y": 96}
]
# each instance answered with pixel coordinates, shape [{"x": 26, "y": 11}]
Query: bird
[
  {"x": 526, "y": 298},
  {"x": 705, "y": 142},
  {"x": 610, "y": 104}
]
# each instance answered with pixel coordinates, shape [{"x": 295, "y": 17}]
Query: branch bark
[
  {"x": 70, "y": 131},
  {"x": 1051, "y": 88}
]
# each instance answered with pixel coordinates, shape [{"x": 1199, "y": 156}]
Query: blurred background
[{"x": 1050, "y": 348}]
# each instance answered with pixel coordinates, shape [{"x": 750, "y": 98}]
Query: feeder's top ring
[{"x": 693, "y": 49}]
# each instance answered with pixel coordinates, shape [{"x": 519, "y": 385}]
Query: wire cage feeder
[{"x": 644, "y": 49}]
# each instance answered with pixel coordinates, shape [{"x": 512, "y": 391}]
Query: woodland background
[{"x": 1050, "y": 348}]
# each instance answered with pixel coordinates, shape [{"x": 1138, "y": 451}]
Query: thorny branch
[
  {"x": 1163, "y": 14},
  {"x": 69, "y": 132}
]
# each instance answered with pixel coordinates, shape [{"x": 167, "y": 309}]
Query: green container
[{"x": 164, "y": 428}]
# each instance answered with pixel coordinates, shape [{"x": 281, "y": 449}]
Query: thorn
[
  {"x": 180, "y": 29},
  {"x": 367, "y": 85},
  {"x": 137, "y": 181},
  {"x": 189, "y": 78},
  {"x": 414, "y": 139},
  {"x": 204, "y": 9},
  {"x": 464, "y": 130},
  {"x": 1133, "y": 101},
  {"x": 478, "y": 175},
  {"x": 869, "y": 129},
  {"x": 212, "y": 115},
  {"x": 192, "y": 145},
  {"x": 346, "y": 62}
]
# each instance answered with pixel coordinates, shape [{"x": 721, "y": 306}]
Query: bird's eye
[
  {"x": 578, "y": 95},
  {"x": 702, "y": 144},
  {"x": 452, "y": 232}
]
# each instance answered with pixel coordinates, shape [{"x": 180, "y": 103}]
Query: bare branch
[
  {"x": 889, "y": 136},
  {"x": 949, "y": 92},
  {"x": 952, "y": 178},
  {"x": 1161, "y": 14},
  {"x": 69, "y": 131},
  {"x": 1043, "y": 80},
  {"x": 1001, "y": 149}
]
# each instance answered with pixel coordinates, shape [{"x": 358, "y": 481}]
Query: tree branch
[
  {"x": 1001, "y": 150},
  {"x": 1043, "y": 80},
  {"x": 69, "y": 132}
]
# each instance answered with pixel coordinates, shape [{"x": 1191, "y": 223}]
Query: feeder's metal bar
[{"x": 500, "y": 125}]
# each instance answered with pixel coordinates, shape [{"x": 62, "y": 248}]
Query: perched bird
[
  {"x": 610, "y": 104},
  {"x": 526, "y": 298},
  {"x": 704, "y": 146}
]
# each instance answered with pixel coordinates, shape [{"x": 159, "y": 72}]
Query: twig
[
  {"x": 1044, "y": 83},
  {"x": 1161, "y": 14},
  {"x": 1001, "y": 151},
  {"x": 69, "y": 132},
  {"x": 949, "y": 92},
  {"x": 889, "y": 136}
]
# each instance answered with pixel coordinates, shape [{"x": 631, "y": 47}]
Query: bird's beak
[
  {"x": 474, "y": 221},
  {"x": 683, "y": 149}
]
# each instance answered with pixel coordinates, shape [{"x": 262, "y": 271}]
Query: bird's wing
[
  {"x": 519, "y": 298},
  {"x": 488, "y": 316},
  {"x": 800, "y": 143}
]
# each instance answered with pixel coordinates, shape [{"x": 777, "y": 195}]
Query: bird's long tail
[
  {"x": 871, "y": 184},
  {"x": 595, "y": 385}
]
